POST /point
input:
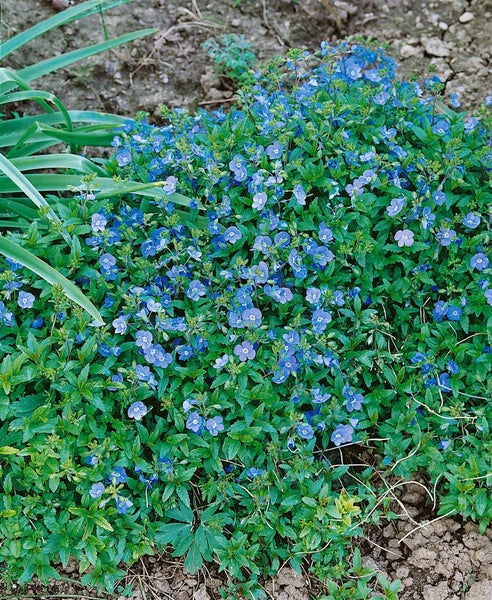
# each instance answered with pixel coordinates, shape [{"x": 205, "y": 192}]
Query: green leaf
[
  {"x": 8, "y": 450},
  {"x": 36, "y": 265},
  {"x": 102, "y": 522},
  {"x": 481, "y": 502},
  {"x": 49, "y": 65},
  {"x": 23, "y": 184},
  {"x": 171, "y": 532},
  {"x": 67, "y": 16},
  {"x": 193, "y": 561}
]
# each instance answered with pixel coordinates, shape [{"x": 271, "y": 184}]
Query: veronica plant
[{"x": 317, "y": 323}]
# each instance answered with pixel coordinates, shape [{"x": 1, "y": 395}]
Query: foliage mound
[{"x": 309, "y": 334}]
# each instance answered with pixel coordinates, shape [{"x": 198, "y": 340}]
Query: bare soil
[{"x": 442, "y": 559}]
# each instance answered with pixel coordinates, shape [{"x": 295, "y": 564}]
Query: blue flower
[
  {"x": 300, "y": 194},
  {"x": 338, "y": 299},
  {"x": 295, "y": 261},
  {"x": 479, "y": 261},
  {"x": 238, "y": 167},
  {"x": 325, "y": 233},
  {"x": 107, "y": 261},
  {"x": 262, "y": 243},
  {"x": 123, "y": 505},
  {"x": 305, "y": 431},
  {"x": 196, "y": 290},
  {"x": 98, "y": 222},
  {"x": 342, "y": 434},
  {"x": 454, "y": 100},
  {"x": 91, "y": 460},
  {"x": 259, "y": 200},
  {"x": 443, "y": 382},
  {"x": 395, "y": 206},
  {"x": 97, "y": 490},
  {"x": 143, "y": 339},
  {"x": 441, "y": 127},
  {"x": 454, "y": 313},
  {"x": 446, "y": 236},
  {"x": 439, "y": 197},
  {"x": 169, "y": 186},
  {"x": 221, "y": 361},
  {"x": 322, "y": 256},
  {"x": 143, "y": 373},
  {"x": 120, "y": 325},
  {"x": 471, "y": 220},
  {"x": 214, "y": 425},
  {"x": 320, "y": 320},
  {"x": 428, "y": 217},
  {"x": 137, "y": 411},
  {"x": 166, "y": 465},
  {"x": 232, "y": 234},
  {"x": 253, "y": 472},
  {"x": 184, "y": 352},
  {"x": 37, "y": 323},
  {"x": 452, "y": 367},
  {"x": 194, "y": 422},
  {"x": 25, "y": 300},
  {"x": 123, "y": 157},
  {"x": 313, "y": 295},
  {"x": 319, "y": 397},
  {"x": 274, "y": 150},
  {"x": 440, "y": 311},
  {"x": 282, "y": 239},
  {"x": 235, "y": 319},
  {"x": 354, "y": 400},
  {"x": 251, "y": 317},
  {"x": 245, "y": 351},
  {"x": 117, "y": 475}
]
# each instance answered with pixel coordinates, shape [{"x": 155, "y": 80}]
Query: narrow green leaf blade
[
  {"x": 67, "y": 16},
  {"x": 36, "y": 265},
  {"x": 64, "y": 60},
  {"x": 22, "y": 183}
]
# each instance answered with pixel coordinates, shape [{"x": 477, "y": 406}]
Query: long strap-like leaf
[
  {"x": 67, "y": 16},
  {"x": 36, "y": 265},
  {"x": 59, "y": 62}
]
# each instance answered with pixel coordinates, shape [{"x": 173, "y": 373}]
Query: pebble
[
  {"x": 435, "y": 47},
  {"x": 407, "y": 50},
  {"x": 60, "y": 4},
  {"x": 466, "y": 17},
  {"x": 235, "y": 23}
]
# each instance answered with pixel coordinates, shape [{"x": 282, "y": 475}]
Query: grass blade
[
  {"x": 20, "y": 182},
  {"x": 58, "y": 161},
  {"x": 36, "y": 265},
  {"x": 59, "y": 62},
  {"x": 13, "y": 129},
  {"x": 103, "y": 187},
  {"x": 67, "y": 16}
]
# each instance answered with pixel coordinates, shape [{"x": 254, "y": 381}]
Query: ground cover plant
[
  {"x": 25, "y": 139},
  {"x": 312, "y": 328}
]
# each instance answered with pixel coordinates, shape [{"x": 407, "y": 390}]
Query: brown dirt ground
[{"x": 443, "y": 559}]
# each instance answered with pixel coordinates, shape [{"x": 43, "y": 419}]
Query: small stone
[
  {"x": 406, "y": 51},
  {"x": 201, "y": 593},
  {"x": 235, "y": 23},
  {"x": 480, "y": 590},
  {"x": 435, "y": 47},
  {"x": 288, "y": 577},
  {"x": 60, "y": 4},
  {"x": 466, "y": 17},
  {"x": 443, "y": 26}
]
